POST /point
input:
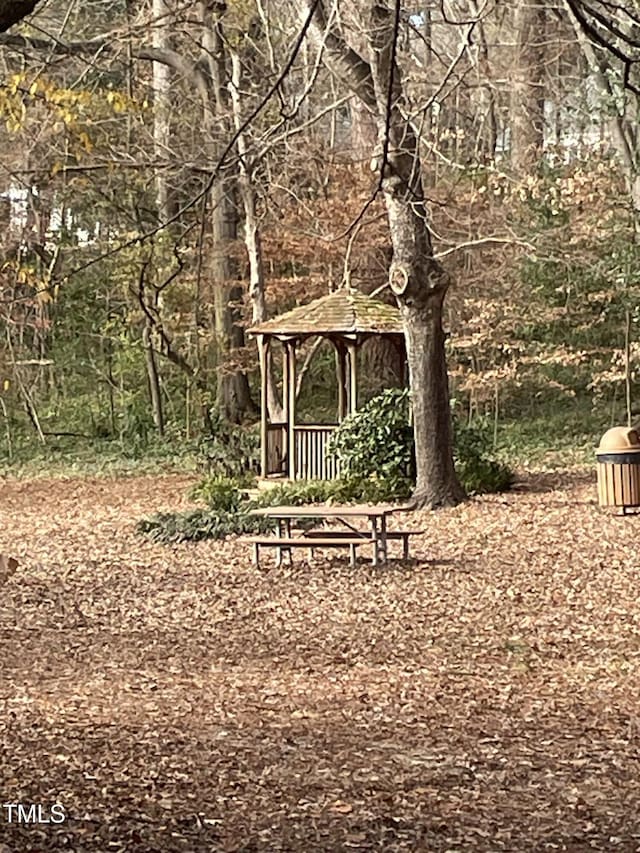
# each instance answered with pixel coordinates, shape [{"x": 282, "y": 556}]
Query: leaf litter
[{"x": 484, "y": 695}]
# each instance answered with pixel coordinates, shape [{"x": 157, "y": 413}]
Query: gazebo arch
[{"x": 347, "y": 318}]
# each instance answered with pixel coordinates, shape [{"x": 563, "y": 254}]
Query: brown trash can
[{"x": 618, "y": 457}]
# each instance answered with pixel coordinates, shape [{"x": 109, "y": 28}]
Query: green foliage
[
  {"x": 221, "y": 494},
  {"x": 375, "y": 446},
  {"x": 372, "y": 489},
  {"x": 343, "y": 491},
  {"x": 377, "y": 440},
  {"x": 478, "y": 470},
  {"x": 197, "y": 524},
  {"x": 231, "y": 451},
  {"x": 556, "y": 438},
  {"x": 228, "y": 510},
  {"x": 295, "y": 493}
]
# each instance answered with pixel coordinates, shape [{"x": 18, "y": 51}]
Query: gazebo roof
[{"x": 342, "y": 312}]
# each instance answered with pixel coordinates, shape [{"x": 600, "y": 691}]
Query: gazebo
[{"x": 347, "y": 318}]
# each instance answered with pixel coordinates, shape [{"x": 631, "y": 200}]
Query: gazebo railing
[
  {"x": 276, "y": 449},
  {"x": 311, "y": 459}
]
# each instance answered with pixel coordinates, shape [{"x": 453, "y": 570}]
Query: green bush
[
  {"x": 197, "y": 524},
  {"x": 377, "y": 440},
  {"x": 478, "y": 471},
  {"x": 228, "y": 511},
  {"x": 375, "y": 446},
  {"x": 345, "y": 490},
  {"x": 222, "y": 494},
  {"x": 295, "y": 493}
]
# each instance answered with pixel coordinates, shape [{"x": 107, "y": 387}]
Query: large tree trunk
[
  {"x": 420, "y": 285},
  {"x": 437, "y": 484},
  {"x": 417, "y": 280},
  {"x": 233, "y": 395}
]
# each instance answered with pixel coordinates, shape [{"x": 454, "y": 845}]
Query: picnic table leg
[
  {"x": 383, "y": 539},
  {"x": 282, "y": 532},
  {"x": 352, "y": 554},
  {"x": 287, "y": 527},
  {"x": 374, "y": 535}
]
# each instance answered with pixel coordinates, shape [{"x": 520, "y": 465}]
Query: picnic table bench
[{"x": 348, "y": 536}]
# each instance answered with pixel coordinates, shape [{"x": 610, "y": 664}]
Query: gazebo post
[
  {"x": 264, "y": 355},
  {"x": 341, "y": 375},
  {"x": 291, "y": 407},
  {"x": 353, "y": 377}
]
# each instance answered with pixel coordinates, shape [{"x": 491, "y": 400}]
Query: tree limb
[
  {"x": 12, "y": 11},
  {"x": 344, "y": 62}
]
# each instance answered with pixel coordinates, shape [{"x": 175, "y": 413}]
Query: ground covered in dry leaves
[{"x": 483, "y": 696}]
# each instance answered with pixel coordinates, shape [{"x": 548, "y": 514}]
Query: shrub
[
  {"x": 222, "y": 494},
  {"x": 228, "y": 511},
  {"x": 375, "y": 446},
  {"x": 377, "y": 441},
  {"x": 479, "y": 472},
  {"x": 345, "y": 490},
  {"x": 197, "y": 524},
  {"x": 295, "y": 493}
]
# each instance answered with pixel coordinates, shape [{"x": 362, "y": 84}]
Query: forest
[
  {"x": 174, "y": 172},
  {"x": 177, "y": 176}
]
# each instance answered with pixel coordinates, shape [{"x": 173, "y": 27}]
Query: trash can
[{"x": 618, "y": 457}]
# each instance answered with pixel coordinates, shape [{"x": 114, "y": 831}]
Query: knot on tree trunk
[{"x": 398, "y": 278}]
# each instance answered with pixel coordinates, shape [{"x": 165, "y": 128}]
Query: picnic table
[{"x": 348, "y": 535}]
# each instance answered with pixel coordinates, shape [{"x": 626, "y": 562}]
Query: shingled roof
[{"x": 342, "y": 312}]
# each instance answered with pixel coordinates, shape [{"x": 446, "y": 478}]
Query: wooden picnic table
[{"x": 375, "y": 514}]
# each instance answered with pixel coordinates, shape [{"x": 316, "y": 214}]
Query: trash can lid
[{"x": 620, "y": 439}]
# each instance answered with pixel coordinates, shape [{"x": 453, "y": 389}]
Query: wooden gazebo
[{"x": 347, "y": 318}]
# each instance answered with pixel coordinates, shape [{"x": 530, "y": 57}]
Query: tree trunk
[
  {"x": 155, "y": 392},
  {"x": 161, "y": 106},
  {"x": 253, "y": 242},
  {"x": 416, "y": 279},
  {"x": 233, "y": 395},
  {"x": 420, "y": 285},
  {"x": 233, "y": 399},
  {"x": 527, "y": 93},
  {"x": 437, "y": 484}
]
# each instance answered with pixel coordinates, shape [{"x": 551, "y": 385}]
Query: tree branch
[
  {"x": 12, "y": 11},
  {"x": 347, "y": 65}
]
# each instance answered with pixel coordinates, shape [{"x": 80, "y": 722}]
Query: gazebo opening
[
  {"x": 345, "y": 319},
  {"x": 317, "y": 399}
]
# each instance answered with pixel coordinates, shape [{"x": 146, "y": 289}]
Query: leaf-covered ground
[{"x": 484, "y": 696}]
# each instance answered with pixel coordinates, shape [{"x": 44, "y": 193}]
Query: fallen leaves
[{"x": 485, "y": 695}]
